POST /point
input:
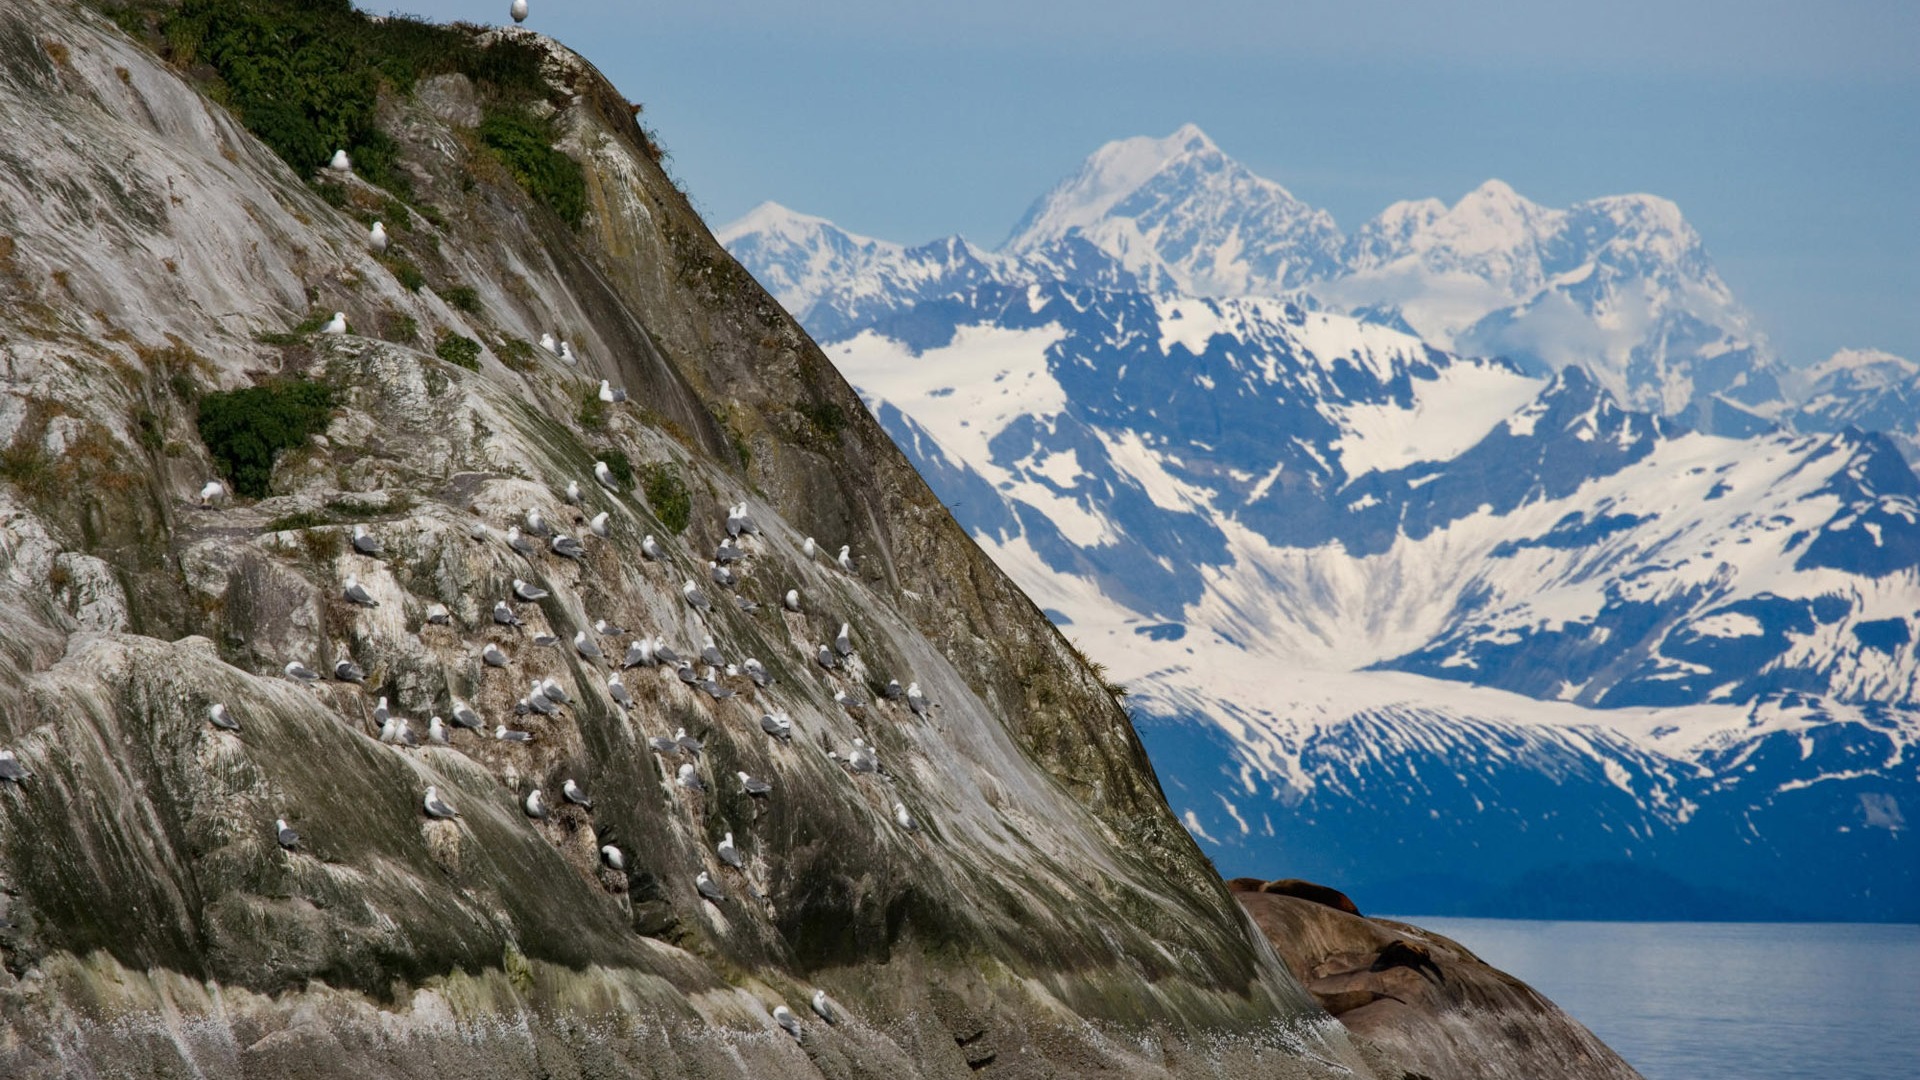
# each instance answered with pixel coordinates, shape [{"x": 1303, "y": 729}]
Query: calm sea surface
[{"x": 1724, "y": 1001}]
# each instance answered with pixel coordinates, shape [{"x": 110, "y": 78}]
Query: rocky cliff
[{"x": 983, "y": 878}]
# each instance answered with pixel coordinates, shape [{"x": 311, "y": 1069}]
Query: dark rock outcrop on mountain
[{"x": 1421, "y": 1000}]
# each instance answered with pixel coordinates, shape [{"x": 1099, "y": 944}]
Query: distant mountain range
[{"x": 1484, "y": 541}]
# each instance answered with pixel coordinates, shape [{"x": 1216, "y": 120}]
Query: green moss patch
[{"x": 667, "y": 495}]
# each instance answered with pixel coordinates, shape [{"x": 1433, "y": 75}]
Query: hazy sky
[{"x": 1789, "y": 133}]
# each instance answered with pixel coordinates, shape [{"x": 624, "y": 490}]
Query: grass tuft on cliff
[{"x": 246, "y": 430}]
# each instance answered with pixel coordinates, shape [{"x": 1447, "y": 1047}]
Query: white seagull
[
  {"x": 904, "y": 819},
  {"x": 824, "y": 1007},
  {"x": 357, "y": 593},
  {"x": 599, "y": 527},
  {"x": 843, "y": 641},
  {"x": 785, "y": 1018},
  {"x": 492, "y": 656},
  {"x": 300, "y": 672},
  {"x": 536, "y": 805},
  {"x": 377, "y": 238},
  {"x": 695, "y": 598},
  {"x": 341, "y": 162},
  {"x": 571, "y": 791},
  {"x": 809, "y": 549},
  {"x": 708, "y": 888},
  {"x": 688, "y": 778},
  {"x": 617, "y": 690},
  {"x": 435, "y": 807},
  {"x": 845, "y": 558},
  {"x": 612, "y": 857},
  {"x": 527, "y": 591},
  {"x": 336, "y": 325},
  {"x": 791, "y": 600},
  {"x": 285, "y": 834},
  {"x": 213, "y": 494},
  {"x": 612, "y": 395},
  {"x": 604, "y": 474},
  {"x": 651, "y": 548},
  {"x": 221, "y": 719},
  {"x": 729, "y": 854},
  {"x": 585, "y": 646},
  {"x": 464, "y": 716},
  {"x": 753, "y": 786}
]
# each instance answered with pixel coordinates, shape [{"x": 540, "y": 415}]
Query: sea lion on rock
[
  {"x": 1407, "y": 954},
  {"x": 1307, "y": 890}
]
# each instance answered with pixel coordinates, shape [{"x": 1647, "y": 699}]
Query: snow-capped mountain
[
  {"x": 1182, "y": 216},
  {"x": 1354, "y": 582},
  {"x": 1866, "y": 389},
  {"x": 1404, "y": 618},
  {"x": 1620, "y": 285}
]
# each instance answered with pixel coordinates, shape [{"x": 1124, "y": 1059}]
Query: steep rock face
[{"x": 1047, "y": 915}]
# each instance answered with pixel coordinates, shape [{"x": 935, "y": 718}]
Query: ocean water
[{"x": 1724, "y": 1001}]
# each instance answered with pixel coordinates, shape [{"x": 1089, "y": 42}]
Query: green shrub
[
  {"x": 593, "y": 411},
  {"x": 515, "y": 353},
  {"x": 27, "y": 466},
  {"x": 667, "y": 495},
  {"x": 826, "y": 418},
  {"x": 458, "y": 351},
  {"x": 246, "y": 430},
  {"x": 621, "y": 468},
  {"x": 305, "y": 75},
  {"x": 405, "y": 272},
  {"x": 525, "y": 146},
  {"x": 463, "y": 298}
]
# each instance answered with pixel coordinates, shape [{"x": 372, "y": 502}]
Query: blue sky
[{"x": 1789, "y": 133}]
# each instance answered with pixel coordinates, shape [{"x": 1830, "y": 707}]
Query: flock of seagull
[{"x": 546, "y": 697}]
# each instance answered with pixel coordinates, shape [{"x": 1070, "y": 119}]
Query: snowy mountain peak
[
  {"x": 770, "y": 219},
  {"x": 1181, "y": 215}
]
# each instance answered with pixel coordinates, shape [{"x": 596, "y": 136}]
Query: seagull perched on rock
[
  {"x": 437, "y": 732},
  {"x": 916, "y": 700},
  {"x": 11, "y": 770},
  {"x": 538, "y": 701},
  {"x": 824, "y": 1008},
  {"x": 720, "y": 575},
  {"x": 617, "y": 690},
  {"x": 340, "y": 162},
  {"x": 757, "y": 672},
  {"x": 536, "y": 805},
  {"x": 825, "y": 658},
  {"x": 221, "y": 719},
  {"x": 357, "y": 593},
  {"x": 381, "y": 713},
  {"x": 695, "y": 599},
  {"x": 476, "y": 530},
  {"x": 612, "y": 395},
  {"x": 553, "y": 691},
  {"x": 779, "y": 725},
  {"x": 745, "y": 604},
  {"x": 639, "y": 654},
  {"x": 686, "y": 743},
  {"x": 651, "y": 548},
  {"x": 607, "y": 629},
  {"x": 708, "y": 888},
  {"x": 862, "y": 759},
  {"x": 436, "y": 808},
  {"x": 567, "y": 547},
  {"x": 518, "y": 9},
  {"x": 584, "y": 645},
  {"x": 663, "y": 653},
  {"x": 728, "y": 552},
  {"x": 853, "y": 703},
  {"x": 810, "y": 550},
  {"x": 843, "y": 641},
  {"x": 213, "y": 494},
  {"x": 518, "y": 542},
  {"x": 566, "y": 354},
  {"x": 491, "y": 655},
  {"x": 438, "y": 615},
  {"x": 348, "y": 671},
  {"x": 573, "y": 794},
  {"x": 792, "y": 600},
  {"x": 574, "y": 495},
  {"x": 537, "y": 523},
  {"x": 904, "y": 819},
  {"x": 785, "y": 1018},
  {"x": 336, "y": 325},
  {"x": 504, "y": 615},
  {"x": 685, "y": 673},
  {"x": 845, "y": 558},
  {"x": 599, "y": 525},
  {"x": 503, "y": 733},
  {"x": 547, "y": 343},
  {"x": 713, "y": 688},
  {"x": 689, "y": 779},
  {"x": 365, "y": 542},
  {"x": 710, "y": 652},
  {"x": 605, "y": 475},
  {"x": 663, "y": 745},
  {"x": 729, "y": 854},
  {"x": 545, "y": 641},
  {"x": 613, "y": 858},
  {"x": 523, "y": 590},
  {"x": 753, "y": 786},
  {"x": 377, "y": 238},
  {"x": 284, "y": 833},
  {"x": 464, "y": 716},
  {"x": 894, "y": 691},
  {"x": 300, "y": 672}
]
